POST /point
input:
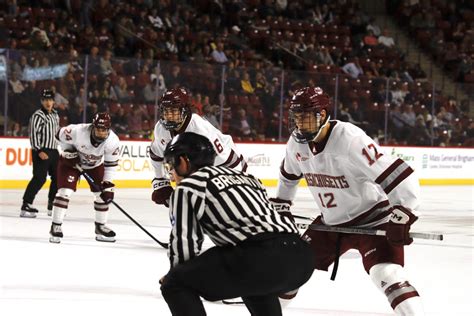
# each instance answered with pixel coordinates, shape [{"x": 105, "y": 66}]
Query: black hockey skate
[
  {"x": 50, "y": 208},
  {"x": 103, "y": 233},
  {"x": 28, "y": 211},
  {"x": 56, "y": 233}
]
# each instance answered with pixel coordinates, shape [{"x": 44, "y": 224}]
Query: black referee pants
[
  {"x": 41, "y": 168},
  {"x": 256, "y": 270}
]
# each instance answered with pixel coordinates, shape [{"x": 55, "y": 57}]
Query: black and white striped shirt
[
  {"x": 43, "y": 129},
  {"x": 227, "y": 205}
]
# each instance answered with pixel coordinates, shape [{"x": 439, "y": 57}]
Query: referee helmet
[{"x": 195, "y": 148}]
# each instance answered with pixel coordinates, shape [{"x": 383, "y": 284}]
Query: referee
[
  {"x": 258, "y": 253},
  {"x": 44, "y": 124}
]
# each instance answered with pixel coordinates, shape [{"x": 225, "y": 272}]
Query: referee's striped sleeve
[
  {"x": 36, "y": 126},
  {"x": 186, "y": 233}
]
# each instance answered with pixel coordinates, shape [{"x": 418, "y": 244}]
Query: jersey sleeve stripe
[
  {"x": 408, "y": 171},
  {"x": 111, "y": 163},
  {"x": 287, "y": 175},
  {"x": 155, "y": 157},
  {"x": 389, "y": 171},
  {"x": 236, "y": 162},
  {"x": 229, "y": 159}
]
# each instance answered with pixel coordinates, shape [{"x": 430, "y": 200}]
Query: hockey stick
[
  {"x": 227, "y": 302},
  {"x": 364, "y": 231},
  {"x": 96, "y": 187}
]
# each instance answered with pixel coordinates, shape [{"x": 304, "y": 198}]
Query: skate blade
[
  {"x": 54, "y": 240},
  {"x": 103, "y": 238},
  {"x": 26, "y": 214}
]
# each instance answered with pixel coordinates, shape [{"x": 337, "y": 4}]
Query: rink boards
[{"x": 434, "y": 165}]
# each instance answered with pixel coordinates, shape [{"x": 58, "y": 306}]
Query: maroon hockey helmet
[
  {"x": 176, "y": 98},
  {"x": 308, "y": 100},
  {"x": 100, "y": 126}
]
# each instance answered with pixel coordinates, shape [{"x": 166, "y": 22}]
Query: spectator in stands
[
  {"x": 155, "y": 19},
  {"x": 218, "y": 54},
  {"x": 399, "y": 93},
  {"x": 326, "y": 14},
  {"x": 353, "y": 68},
  {"x": 261, "y": 83},
  {"x": 357, "y": 114},
  {"x": 210, "y": 112},
  {"x": 170, "y": 44},
  {"x": 399, "y": 128},
  {"x": 370, "y": 40},
  {"x": 316, "y": 15},
  {"x": 16, "y": 85},
  {"x": 444, "y": 117},
  {"x": 372, "y": 71},
  {"x": 409, "y": 116},
  {"x": 386, "y": 40},
  {"x": 125, "y": 28},
  {"x": 59, "y": 99},
  {"x": 149, "y": 92},
  {"x": 196, "y": 103},
  {"x": 121, "y": 90},
  {"x": 324, "y": 57},
  {"x": 135, "y": 122},
  {"x": 94, "y": 61},
  {"x": 246, "y": 84},
  {"x": 242, "y": 125},
  {"x": 174, "y": 80},
  {"x": 119, "y": 122},
  {"x": 15, "y": 130},
  {"x": 39, "y": 39},
  {"x": 373, "y": 27},
  {"x": 106, "y": 64},
  {"x": 419, "y": 135}
]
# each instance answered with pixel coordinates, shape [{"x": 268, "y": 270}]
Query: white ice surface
[{"x": 83, "y": 277}]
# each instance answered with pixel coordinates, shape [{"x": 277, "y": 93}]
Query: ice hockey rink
[{"x": 83, "y": 277}]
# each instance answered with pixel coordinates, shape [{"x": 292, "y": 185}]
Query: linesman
[
  {"x": 44, "y": 124},
  {"x": 258, "y": 253}
]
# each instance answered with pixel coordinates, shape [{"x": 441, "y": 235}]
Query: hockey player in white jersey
[
  {"x": 354, "y": 184},
  {"x": 176, "y": 118},
  {"x": 96, "y": 149}
]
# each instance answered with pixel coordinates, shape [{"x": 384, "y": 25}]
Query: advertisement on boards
[{"x": 433, "y": 165}]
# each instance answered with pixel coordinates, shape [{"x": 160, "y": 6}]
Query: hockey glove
[
  {"x": 70, "y": 158},
  {"x": 398, "y": 228},
  {"x": 162, "y": 191},
  {"x": 282, "y": 207},
  {"x": 107, "y": 194}
]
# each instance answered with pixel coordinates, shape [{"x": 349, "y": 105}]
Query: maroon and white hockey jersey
[
  {"x": 352, "y": 180},
  {"x": 227, "y": 154},
  {"x": 78, "y": 137}
]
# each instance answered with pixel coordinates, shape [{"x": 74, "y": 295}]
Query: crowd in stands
[
  {"x": 123, "y": 55},
  {"x": 445, "y": 29}
]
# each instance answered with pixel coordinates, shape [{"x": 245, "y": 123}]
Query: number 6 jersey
[
  {"x": 227, "y": 154},
  {"x": 351, "y": 179}
]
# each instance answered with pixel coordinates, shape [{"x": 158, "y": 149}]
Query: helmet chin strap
[{"x": 322, "y": 127}]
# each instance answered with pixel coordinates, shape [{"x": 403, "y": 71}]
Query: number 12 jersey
[{"x": 353, "y": 181}]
